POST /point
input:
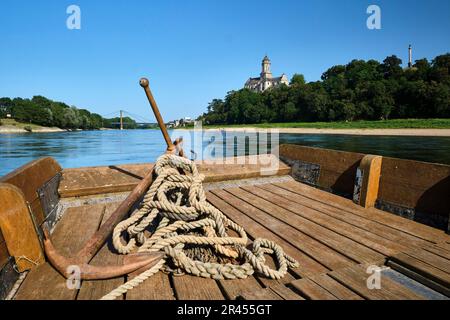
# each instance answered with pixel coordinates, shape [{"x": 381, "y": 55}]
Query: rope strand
[{"x": 175, "y": 207}]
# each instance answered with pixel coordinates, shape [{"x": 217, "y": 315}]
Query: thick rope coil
[{"x": 175, "y": 218}]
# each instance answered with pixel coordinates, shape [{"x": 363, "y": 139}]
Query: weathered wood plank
[
  {"x": 334, "y": 287},
  {"x": 18, "y": 229},
  {"x": 419, "y": 277},
  {"x": 306, "y": 244},
  {"x": 189, "y": 287},
  {"x": 30, "y": 177},
  {"x": 74, "y": 229},
  {"x": 94, "y": 290},
  {"x": 363, "y": 237},
  {"x": 4, "y": 255},
  {"x": 422, "y": 268},
  {"x": 438, "y": 251},
  {"x": 234, "y": 288},
  {"x": 356, "y": 279},
  {"x": 337, "y": 242},
  {"x": 263, "y": 294},
  {"x": 256, "y": 230},
  {"x": 99, "y": 180},
  {"x": 432, "y": 259},
  {"x": 285, "y": 293},
  {"x": 312, "y": 290},
  {"x": 385, "y": 231},
  {"x": 156, "y": 287},
  {"x": 386, "y": 218}
]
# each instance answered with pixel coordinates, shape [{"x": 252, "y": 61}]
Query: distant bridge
[{"x": 122, "y": 114}]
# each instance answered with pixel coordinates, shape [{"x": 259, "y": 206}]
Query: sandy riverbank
[
  {"x": 12, "y": 129},
  {"x": 368, "y": 132}
]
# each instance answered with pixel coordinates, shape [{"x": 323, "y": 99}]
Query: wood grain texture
[
  {"x": 416, "y": 229},
  {"x": 18, "y": 229},
  {"x": 338, "y": 243},
  {"x": 356, "y": 279},
  {"x": 94, "y": 290},
  {"x": 75, "y": 228},
  {"x": 100, "y": 180},
  {"x": 255, "y": 230},
  {"x": 313, "y": 248},
  {"x": 30, "y": 177},
  {"x": 189, "y": 287},
  {"x": 371, "y": 167},
  {"x": 337, "y": 168}
]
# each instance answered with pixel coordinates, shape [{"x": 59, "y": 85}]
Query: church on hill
[{"x": 266, "y": 80}]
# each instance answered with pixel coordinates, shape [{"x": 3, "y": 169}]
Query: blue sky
[{"x": 196, "y": 50}]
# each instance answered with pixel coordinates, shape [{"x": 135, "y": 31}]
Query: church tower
[
  {"x": 266, "y": 81},
  {"x": 266, "y": 73}
]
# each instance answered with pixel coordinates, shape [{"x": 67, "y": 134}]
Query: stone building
[{"x": 266, "y": 80}]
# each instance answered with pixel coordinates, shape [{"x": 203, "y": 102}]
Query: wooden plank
[
  {"x": 312, "y": 290},
  {"x": 4, "y": 254},
  {"x": 337, "y": 168},
  {"x": 356, "y": 279},
  {"x": 32, "y": 175},
  {"x": 399, "y": 223},
  {"x": 285, "y": 293},
  {"x": 156, "y": 287},
  {"x": 427, "y": 192},
  {"x": 432, "y": 259},
  {"x": 94, "y": 290},
  {"x": 343, "y": 245},
  {"x": 256, "y": 230},
  {"x": 18, "y": 229},
  {"x": 312, "y": 248},
  {"x": 234, "y": 288},
  {"x": 444, "y": 245},
  {"x": 384, "y": 231},
  {"x": 422, "y": 268},
  {"x": 363, "y": 237},
  {"x": 335, "y": 288},
  {"x": 99, "y": 180},
  {"x": 271, "y": 263},
  {"x": 438, "y": 251},
  {"x": 74, "y": 229},
  {"x": 424, "y": 279},
  {"x": 189, "y": 287},
  {"x": 263, "y": 294}
]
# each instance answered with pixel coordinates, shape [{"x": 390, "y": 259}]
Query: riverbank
[
  {"x": 359, "y": 132},
  {"x": 398, "y": 127},
  {"x": 9, "y": 126}
]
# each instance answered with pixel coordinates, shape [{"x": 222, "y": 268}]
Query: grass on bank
[
  {"x": 382, "y": 124},
  {"x": 19, "y": 125}
]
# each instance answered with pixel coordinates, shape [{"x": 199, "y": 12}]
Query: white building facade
[{"x": 266, "y": 80}]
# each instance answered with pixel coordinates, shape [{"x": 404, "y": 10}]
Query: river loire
[{"x": 96, "y": 148}]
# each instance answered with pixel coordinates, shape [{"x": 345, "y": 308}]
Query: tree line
[
  {"x": 360, "y": 90},
  {"x": 45, "y": 112}
]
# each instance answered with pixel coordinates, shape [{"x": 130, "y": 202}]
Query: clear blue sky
[{"x": 196, "y": 50}]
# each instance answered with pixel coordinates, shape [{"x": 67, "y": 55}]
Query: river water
[{"x": 95, "y": 148}]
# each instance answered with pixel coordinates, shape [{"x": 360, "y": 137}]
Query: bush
[{"x": 28, "y": 129}]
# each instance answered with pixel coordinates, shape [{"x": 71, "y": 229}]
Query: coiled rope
[{"x": 175, "y": 218}]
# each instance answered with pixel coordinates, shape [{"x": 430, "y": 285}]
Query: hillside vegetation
[{"x": 360, "y": 90}]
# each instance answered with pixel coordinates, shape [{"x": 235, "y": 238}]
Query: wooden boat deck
[{"x": 333, "y": 239}]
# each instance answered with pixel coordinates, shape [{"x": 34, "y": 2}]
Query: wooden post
[
  {"x": 367, "y": 181},
  {"x": 18, "y": 229}
]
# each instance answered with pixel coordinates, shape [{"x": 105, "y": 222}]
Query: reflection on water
[{"x": 94, "y": 148}]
